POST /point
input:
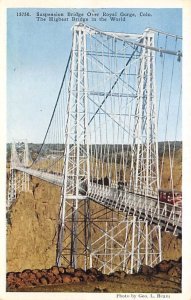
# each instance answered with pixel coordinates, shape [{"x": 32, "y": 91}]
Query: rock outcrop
[
  {"x": 60, "y": 275},
  {"x": 171, "y": 268}
]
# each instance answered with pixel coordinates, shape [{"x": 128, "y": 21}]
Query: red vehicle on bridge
[{"x": 171, "y": 197}]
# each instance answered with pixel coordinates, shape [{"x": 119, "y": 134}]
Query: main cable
[{"x": 54, "y": 109}]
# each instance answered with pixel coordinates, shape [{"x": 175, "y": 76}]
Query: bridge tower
[
  {"x": 74, "y": 203},
  {"x": 75, "y": 241},
  {"x": 144, "y": 164},
  {"x": 101, "y": 149},
  {"x": 18, "y": 181}
]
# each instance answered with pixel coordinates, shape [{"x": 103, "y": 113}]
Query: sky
[{"x": 37, "y": 53}]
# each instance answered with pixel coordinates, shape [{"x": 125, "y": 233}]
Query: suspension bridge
[{"x": 120, "y": 95}]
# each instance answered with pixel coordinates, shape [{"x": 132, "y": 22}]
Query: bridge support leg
[
  {"x": 106, "y": 240},
  {"x": 74, "y": 235},
  {"x": 12, "y": 193},
  {"x": 18, "y": 181},
  {"x": 74, "y": 208},
  {"x": 87, "y": 235},
  {"x": 111, "y": 252}
]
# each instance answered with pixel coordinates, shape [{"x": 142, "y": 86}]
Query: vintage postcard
[{"x": 95, "y": 182}]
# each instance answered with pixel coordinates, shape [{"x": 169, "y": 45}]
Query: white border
[{"x": 186, "y": 5}]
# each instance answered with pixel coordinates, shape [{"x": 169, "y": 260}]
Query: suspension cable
[
  {"x": 167, "y": 116},
  {"x": 54, "y": 108}
]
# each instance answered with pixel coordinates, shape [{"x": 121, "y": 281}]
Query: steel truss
[
  {"x": 76, "y": 157},
  {"x": 18, "y": 181},
  {"x": 127, "y": 244},
  {"x": 108, "y": 240},
  {"x": 110, "y": 133},
  {"x": 144, "y": 164}
]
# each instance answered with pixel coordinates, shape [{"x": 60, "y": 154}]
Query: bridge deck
[{"x": 147, "y": 208}]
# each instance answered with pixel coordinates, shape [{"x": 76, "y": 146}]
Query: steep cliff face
[
  {"x": 171, "y": 246},
  {"x": 31, "y": 234},
  {"x": 32, "y": 230}
]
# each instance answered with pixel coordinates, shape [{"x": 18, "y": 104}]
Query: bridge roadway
[{"x": 146, "y": 208}]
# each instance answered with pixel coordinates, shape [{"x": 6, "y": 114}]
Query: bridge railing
[{"x": 146, "y": 208}]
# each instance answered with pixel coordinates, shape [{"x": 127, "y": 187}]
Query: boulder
[
  {"x": 19, "y": 283},
  {"x": 31, "y": 277},
  {"x": 100, "y": 277},
  {"x": 106, "y": 277},
  {"x": 12, "y": 286},
  {"x": 147, "y": 270},
  {"x": 27, "y": 271},
  {"x": 62, "y": 270},
  {"x": 11, "y": 280},
  {"x": 93, "y": 271},
  {"x": 43, "y": 280},
  {"x": 44, "y": 270},
  {"x": 10, "y": 274},
  {"x": 58, "y": 279},
  {"x": 55, "y": 270},
  {"x": 50, "y": 277},
  {"x": 66, "y": 278},
  {"x": 70, "y": 270},
  {"x": 84, "y": 277},
  {"x": 79, "y": 272},
  {"x": 163, "y": 266},
  {"x": 119, "y": 274},
  {"x": 175, "y": 263},
  {"x": 24, "y": 275},
  {"x": 75, "y": 279},
  {"x": 27, "y": 283},
  {"x": 38, "y": 274},
  {"x": 35, "y": 271}
]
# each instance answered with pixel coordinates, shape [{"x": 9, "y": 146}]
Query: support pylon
[
  {"x": 144, "y": 166},
  {"x": 76, "y": 156},
  {"x": 18, "y": 181},
  {"x": 75, "y": 243},
  {"x": 124, "y": 243}
]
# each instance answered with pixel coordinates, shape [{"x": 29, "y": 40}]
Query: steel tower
[
  {"x": 75, "y": 240},
  {"x": 76, "y": 157}
]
